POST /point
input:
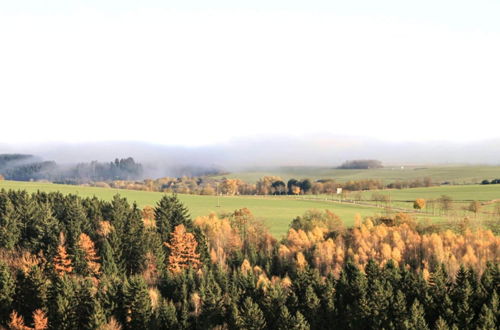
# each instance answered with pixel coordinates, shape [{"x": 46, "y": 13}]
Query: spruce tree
[
  {"x": 486, "y": 320},
  {"x": 417, "y": 317},
  {"x": 167, "y": 316},
  {"x": 285, "y": 320},
  {"x": 300, "y": 322},
  {"x": 32, "y": 291},
  {"x": 441, "y": 324},
  {"x": 134, "y": 248},
  {"x": 462, "y": 297},
  {"x": 62, "y": 307},
  {"x": 169, "y": 213},
  {"x": 89, "y": 313},
  {"x": 251, "y": 316},
  {"x": 137, "y": 303},
  {"x": 7, "y": 290},
  {"x": 10, "y": 227}
]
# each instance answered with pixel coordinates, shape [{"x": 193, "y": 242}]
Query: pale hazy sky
[{"x": 201, "y": 72}]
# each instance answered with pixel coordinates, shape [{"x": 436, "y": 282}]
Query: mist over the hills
[{"x": 240, "y": 154}]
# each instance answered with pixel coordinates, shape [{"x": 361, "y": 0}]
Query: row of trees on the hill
[
  {"x": 267, "y": 185},
  {"x": 73, "y": 263}
]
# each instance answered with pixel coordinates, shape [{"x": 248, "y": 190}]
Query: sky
[{"x": 197, "y": 73}]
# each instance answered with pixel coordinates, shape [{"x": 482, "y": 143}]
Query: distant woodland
[
  {"x": 29, "y": 168},
  {"x": 73, "y": 263}
]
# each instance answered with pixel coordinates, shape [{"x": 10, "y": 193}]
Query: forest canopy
[{"x": 68, "y": 262}]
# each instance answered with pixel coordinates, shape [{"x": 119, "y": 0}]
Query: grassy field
[
  {"x": 277, "y": 213},
  {"x": 456, "y": 174}
]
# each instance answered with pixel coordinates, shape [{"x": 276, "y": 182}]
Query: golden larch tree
[
  {"x": 62, "y": 262},
  {"x": 91, "y": 257},
  {"x": 16, "y": 322},
  {"x": 40, "y": 321},
  {"x": 182, "y": 247}
]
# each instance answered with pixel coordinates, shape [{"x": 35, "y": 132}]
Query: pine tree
[
  {"x": 182, "y": 250},
  {"x": 300, "y": 322},
  {"x": 285, "y": 320},
  {"x": 417, "y": 317},
  {"x": 7, "y": 290},
  {"x": 486, "y": 319},
  {"x": 109, "y": 266},
  {"x": 89, "y": 313},
  {"x": 133, "y": 240},
  {"x": 441, "y": 324},
  {"x": 32, "y": 291},
  {"x": 62, "y": 307},
  {"x": 10, "y": 227},
  {"x": 137, "y": 303},
  {"x": 398, "y": 310},
  {"x": 251, "y": 316},
  {"x": 169, "y": 213},
  {"x": 167, "y": 316},
  {"x": 462, "y": 298}
]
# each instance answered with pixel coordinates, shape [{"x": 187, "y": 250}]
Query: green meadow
[
  {"x": 278, "y": 211},
  {"x": 456, "y": 174}
]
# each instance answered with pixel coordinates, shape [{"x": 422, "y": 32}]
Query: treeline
[
  {"x": 29, "y": 168},
  {"x": 361, "y": 164},
  {"x": 267, "y": 185},
  {"x": 494, "y": 181},
  {"x": 73, "y": 263}
]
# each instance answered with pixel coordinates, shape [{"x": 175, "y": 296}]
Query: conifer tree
[
  {"x": 398, "y": 311},
  {"x": 91, "y": 258},
  {"x": 486, "y": 319},
  {"x": 32, "y": 291},
  {"x": 285, "y": 320},
  {"x": 300, "y": 322},
  {"x": 167, "y": 316},
  {"x": 7, "y": 290},
  {"x": 169, "y": 213},
  {"x": 462, "y": 297},
  {"x": 62, "y": 307},
  {"x": 89, "y": 313},
  {"x": 109, "y": 266},
  {"x": 40, "y": 321},
  {"x": 251, "y": 316},
  {"x": 62, "y": 262},
  {"x": 417, "y": 317},
  {"x": 16, "y": 322},
  {"x": 441, "y": 324},
  {"x": 137, "y": 303},
  {"x": 10, "y": 227},
  {"x": 182, "y": 250},
  {"x": 133, "y": 240}
]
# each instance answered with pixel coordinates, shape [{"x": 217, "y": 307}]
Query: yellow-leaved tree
[
  {"x": 91, "y": 257},
  {"x": 182, "y": 247}
]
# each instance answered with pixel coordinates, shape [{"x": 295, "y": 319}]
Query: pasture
[
  {"x": 456, "y": 174},
  {"x": 277, "y": 213}
]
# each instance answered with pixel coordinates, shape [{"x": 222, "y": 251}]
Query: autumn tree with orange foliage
[
  {"x": 40, "y": 321},
  {"x": 182, "y": 247},
  {"x": 62, "y": 262},
  {"x": 90, "y": 254}
]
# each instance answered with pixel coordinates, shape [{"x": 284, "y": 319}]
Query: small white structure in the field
[
  {"x": 402, "y": 167},
  {"x": 339, "y": 191}
]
